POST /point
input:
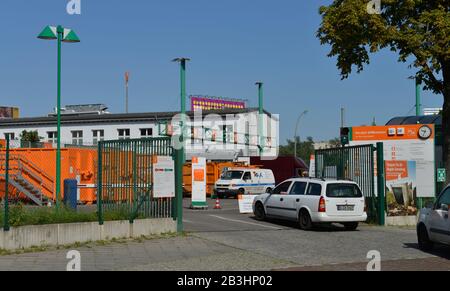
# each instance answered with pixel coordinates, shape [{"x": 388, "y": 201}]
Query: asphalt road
[
  {"x": 325, "y": 247},
  {"x": 225, "y": 240}
]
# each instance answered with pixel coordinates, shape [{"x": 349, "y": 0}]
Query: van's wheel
[
  {"x": 260, "y": 213},
  {"x": 269, "y": 190},
  {"x": 305, "y": 220},
  {"x": 351, "y": 226},
  {"x": 425, "y": 244}
]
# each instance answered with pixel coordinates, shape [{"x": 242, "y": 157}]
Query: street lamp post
[
  {"x": 296, "y": 131},
  {"x": 261, "y": 144},
  {"x": 61, "y": 35},
  {"x": 180, "y": 154}
]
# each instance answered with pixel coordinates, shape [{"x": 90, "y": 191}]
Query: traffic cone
[{"x": 217, "y": 206}]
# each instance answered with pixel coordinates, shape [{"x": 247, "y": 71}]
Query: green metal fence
[
  {"x": 125, "y": 179},
  {"x": 357, "y": 164}
]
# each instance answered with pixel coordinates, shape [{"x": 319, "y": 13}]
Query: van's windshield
[
  {"x": 343, "y": 191},
  {"x": 232, "y": 175}
]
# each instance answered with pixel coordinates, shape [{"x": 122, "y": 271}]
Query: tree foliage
[
  {"x": 304, "y": 149},
  {"x": 418, "y": 30},
  {"x": 30, "y": 136}
]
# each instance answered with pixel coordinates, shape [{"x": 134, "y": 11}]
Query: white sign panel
[
  {"x": 246, "y": 203},
  {"x": 198, "y": 181},
  {"x": 163, "y": 177},
  {"x": 405, "y": 143}
]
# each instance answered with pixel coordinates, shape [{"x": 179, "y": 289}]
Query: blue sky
[{"x": 232, "y": 43}]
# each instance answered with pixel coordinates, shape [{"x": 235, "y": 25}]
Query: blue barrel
[{"x": 70, "y": 193}]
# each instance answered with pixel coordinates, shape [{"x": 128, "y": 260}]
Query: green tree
[
  {"x": 335, "y": 142},
  {"x": 29, "y": 139},
  {"x": 304, "y": 149},
  {"x": 418, "y": 30}
]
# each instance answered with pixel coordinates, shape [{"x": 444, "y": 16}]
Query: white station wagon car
[
  {"x": 313, "y": 201},
  {"x": 434, "y": 223}
]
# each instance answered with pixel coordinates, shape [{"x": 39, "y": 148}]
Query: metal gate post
[
  {"x": 381, "y": 184},
  {"x": 6, "y": 226},
  {"x": 100, "y": 184},
  {"x": 179, "y": 156}
]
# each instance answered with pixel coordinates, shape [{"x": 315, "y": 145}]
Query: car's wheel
[
  {"x": 305, "y": 220},
  {"x": 260, "y": 213},
  {"x": 269, "y": 190},
  {"x": 351, "y": 226},
  {"x": 425, "y": 244}
]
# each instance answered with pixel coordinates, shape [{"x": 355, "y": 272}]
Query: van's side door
[
  {"x": 247, "y": 180},
  {"x": 275, "y": 202}
]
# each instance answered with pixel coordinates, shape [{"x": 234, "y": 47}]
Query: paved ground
[{"x": 226, "y": 240}]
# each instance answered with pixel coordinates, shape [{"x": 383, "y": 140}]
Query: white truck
[{"x": 240, "y": 181}]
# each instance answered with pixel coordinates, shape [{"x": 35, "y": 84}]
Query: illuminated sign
[{"x": 206, "y": 103}]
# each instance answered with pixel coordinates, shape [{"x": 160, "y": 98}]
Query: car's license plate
[{"x": 346, "y": 207}]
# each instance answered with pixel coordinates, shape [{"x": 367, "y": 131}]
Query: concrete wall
[
  {"x": 401, "y": 220},
  {"x": 65, "y": 234}
]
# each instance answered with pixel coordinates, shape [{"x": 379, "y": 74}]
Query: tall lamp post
[
  {"x": 180, "y": 154},
  {"x": 60, "y": 34},
  {"x": 261, "y": 144},
  {"x": 296, "y": 131}
]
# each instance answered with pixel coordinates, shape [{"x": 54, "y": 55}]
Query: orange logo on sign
[{"x": 199, "y": 175}]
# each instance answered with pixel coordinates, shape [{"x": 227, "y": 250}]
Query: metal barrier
[
  {"x": 125, "y": 179},
  {"x": 357, "y": 164}
]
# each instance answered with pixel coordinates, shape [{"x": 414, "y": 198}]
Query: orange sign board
[
  {"x": 394, "y": 132},
  {"x": 396, "y": 170}
]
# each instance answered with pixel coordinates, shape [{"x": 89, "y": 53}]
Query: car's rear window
[{"x": 343, "y": 191}]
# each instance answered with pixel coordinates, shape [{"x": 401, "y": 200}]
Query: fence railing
[
  {"x": 125, "y": 178},
  {"x": 361, "y": 164}
]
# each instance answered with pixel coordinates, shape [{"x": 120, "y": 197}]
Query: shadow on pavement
[
  {"x": 438, "y": 250},
  {"x": 318, "y": 228}
]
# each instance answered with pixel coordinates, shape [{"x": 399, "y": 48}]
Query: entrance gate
[
  {"x": 125, "y": 179},
  {"x": 361, "y": 164}
]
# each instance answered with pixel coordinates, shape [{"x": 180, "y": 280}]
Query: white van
[{"x": 237, "y": 181}]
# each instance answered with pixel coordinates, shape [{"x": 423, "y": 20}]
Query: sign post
[{"x": 199, "y": 183}]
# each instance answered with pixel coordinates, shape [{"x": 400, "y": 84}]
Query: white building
[{"x": 208, "y": 131}]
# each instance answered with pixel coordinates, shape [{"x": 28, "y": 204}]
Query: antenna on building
[{"x": 127, "y": 79}]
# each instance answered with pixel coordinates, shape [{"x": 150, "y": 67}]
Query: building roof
[
  {"x": 407, "y": 120},
  {"x": 113, "y": 118}
]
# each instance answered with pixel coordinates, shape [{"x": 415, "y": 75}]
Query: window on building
[
  {"x": 197, "y": 135},
  {"x": 52, "y": 137},
  {"x": 146, "y": 132},
  {"x": 228, "y": 133},
  {"x": 77, "y": 137},
  {"x": 124, "y": 133},
  {"x": 10, "y": 135},
  {"x": 99, "y": 135}
]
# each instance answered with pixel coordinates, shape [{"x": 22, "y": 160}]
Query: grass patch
[{"x": 21, "y": 216}]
